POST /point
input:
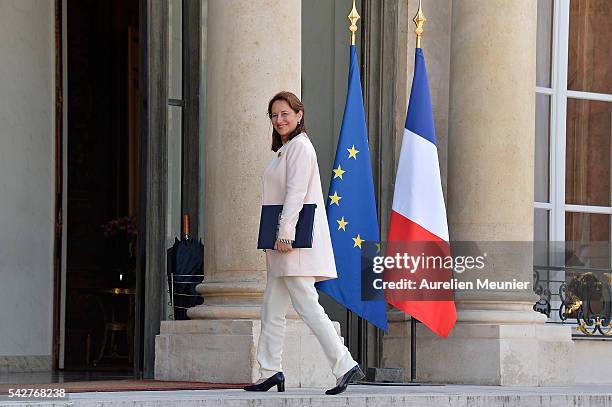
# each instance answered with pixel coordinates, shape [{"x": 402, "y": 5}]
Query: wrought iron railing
[{"x": 578, "y": 296}]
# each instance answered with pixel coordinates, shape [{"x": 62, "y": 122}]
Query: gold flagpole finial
[
  {"x": 353, "y": 17},
  {"x": 419, "y": 21}
]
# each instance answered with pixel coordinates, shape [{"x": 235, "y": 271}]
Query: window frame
[{"x": 559, "y": 95}]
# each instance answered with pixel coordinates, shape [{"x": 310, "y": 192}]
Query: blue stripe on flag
[{"x": 419, "y": 119}]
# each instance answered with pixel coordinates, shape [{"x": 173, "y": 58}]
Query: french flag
[{"x": 419, "y": 212}]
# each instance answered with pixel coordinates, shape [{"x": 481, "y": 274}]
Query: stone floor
[{"x": 356, "y": 395}]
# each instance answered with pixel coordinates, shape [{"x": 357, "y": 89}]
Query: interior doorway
[{"x": 101, "y": 92}]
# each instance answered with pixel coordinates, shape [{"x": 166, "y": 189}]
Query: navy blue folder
[{"x": 268, "y": 226}]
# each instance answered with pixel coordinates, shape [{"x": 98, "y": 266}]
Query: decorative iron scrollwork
[
  {"x": 543, "y": 304},
  {"x": 584, "y": 297}
]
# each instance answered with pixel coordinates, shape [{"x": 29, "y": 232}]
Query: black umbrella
[{"x": 184, "y": 268}]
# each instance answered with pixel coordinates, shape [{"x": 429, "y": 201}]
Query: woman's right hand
[{"x": 282, "y": 247}]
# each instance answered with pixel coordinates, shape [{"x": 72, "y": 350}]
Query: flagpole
[
  {"x": 413, "y": 323},
  {"x": 353, "y": 18},
  {"x": 419, "y": 20}
]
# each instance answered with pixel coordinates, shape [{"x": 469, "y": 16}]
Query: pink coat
[{"x": 292, "y": 179}]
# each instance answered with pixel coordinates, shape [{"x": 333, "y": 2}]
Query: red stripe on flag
[
  {"x": 439, "y": 316},
  {"x": 403, "y": 229}
]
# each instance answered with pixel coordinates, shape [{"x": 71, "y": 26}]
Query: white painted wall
[{"x": 26, "y": 176}]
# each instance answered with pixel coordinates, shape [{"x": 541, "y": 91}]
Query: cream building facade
[{"x": 522, "y": 96}]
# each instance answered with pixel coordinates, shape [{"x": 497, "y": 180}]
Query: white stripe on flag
[{"x": 418, "y": 187}]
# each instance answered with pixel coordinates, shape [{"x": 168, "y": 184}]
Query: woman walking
[{"x": 292, "y": 179}]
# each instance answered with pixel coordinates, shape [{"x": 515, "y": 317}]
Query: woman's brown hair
[{"x": 296, "y": 105}]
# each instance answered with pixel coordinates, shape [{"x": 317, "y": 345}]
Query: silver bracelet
[{"x": 286, "y": 241}]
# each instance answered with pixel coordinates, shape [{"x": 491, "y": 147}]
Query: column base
[
  {"x": 485, "y": 354},
  {"x": 224, "y": 351}
]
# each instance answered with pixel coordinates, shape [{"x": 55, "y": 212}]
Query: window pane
[
  {"x": 587, "y": 237},
  {"x": 174, "y": 167},
  {"x": 173, "y": 194},
  {"x": 590, "y": 50},
  {"x": 588, "y": 155},
  {"x": 542, "y": 148},
  {"x": 540, "y": 236},
  {"x": 175, "y": 50},
  {"x": 203, "y": 116},
  {"x": 540, "y": 223},
  {"x": 544, "y": 42}
]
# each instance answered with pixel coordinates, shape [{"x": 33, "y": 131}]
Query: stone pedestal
[
  {"x": 223, "y": 351},
  {"x": 495, "y": 353}
]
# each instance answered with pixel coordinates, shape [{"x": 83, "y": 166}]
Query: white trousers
[{"x": 303, "y": 294}]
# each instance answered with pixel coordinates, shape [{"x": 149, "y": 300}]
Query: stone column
[
  {"x": 498, "y": 338},
  {"x": 254, "y": 51},
  {"x": 491, "y": 135}
]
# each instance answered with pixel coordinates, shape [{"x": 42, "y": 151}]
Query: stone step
[{"x": 356, "y": 395}]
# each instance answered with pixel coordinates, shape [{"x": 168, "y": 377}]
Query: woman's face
[{"x": 284, "y": 119}]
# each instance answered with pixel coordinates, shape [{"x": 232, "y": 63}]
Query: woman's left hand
[{"x": 282, "y": 247}]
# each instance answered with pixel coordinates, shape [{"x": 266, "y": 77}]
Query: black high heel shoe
[
  {"x": 277, "y": 380},
  {"x": 354, "y": 373}
]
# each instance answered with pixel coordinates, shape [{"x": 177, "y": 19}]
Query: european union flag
[{"x": 351, "y": 206}]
